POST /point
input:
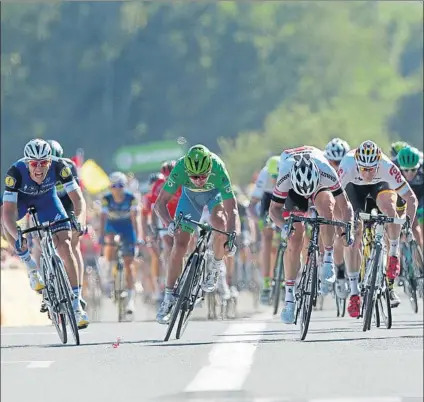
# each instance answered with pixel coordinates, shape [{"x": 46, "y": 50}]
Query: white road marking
[
  {"x": 40, "y": 364},
  {"x": 360, "y": 399},
  {"x": 229, "y": 363},
  {"x": 30, "y": 363}
]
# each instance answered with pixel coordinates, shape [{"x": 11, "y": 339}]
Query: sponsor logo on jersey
[
  {"x": 283, "y": 179},
  {"x": 10, "y": 181},
  {"x": 328, "y": 176},
  {"x": 65, "y": 172}
]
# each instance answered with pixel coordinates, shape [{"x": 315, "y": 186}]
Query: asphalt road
[{"x": 253, "y": 358}]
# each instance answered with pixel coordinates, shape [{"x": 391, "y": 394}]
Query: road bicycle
[
  {"x": 277, "y": 281},
  {"x": 308, "y": 289},
  {"x": 412, "y": 266},
  {"x": 187, "y": 290},
  {"x": 120, "y": 295},
  {"x": 57, "y": 294},
  {"x": 374, "y": 286}
]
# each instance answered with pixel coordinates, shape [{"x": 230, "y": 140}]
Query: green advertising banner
[{"x": 147, "y": 157}]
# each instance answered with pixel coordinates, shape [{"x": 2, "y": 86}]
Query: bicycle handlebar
[
  {"x": 381, "y": 219},
  {"x": 45, "y": 226},
  {"x": 205, "y": 226},
  {"x": 319, "y": 220}
]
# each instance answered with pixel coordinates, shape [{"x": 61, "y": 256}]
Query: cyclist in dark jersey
[{"x": 57, "y": 151}]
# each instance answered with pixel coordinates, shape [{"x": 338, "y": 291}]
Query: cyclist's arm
[
  {"x": 252, "y": 208},
  {"x": 408, "y": 195},
  {"x": 223, "y": 184},
  {"x": 160, "y": 206},
  {"x": 64, "y": 172},
  {"x": 103, "y": 217},
  {"x": 134, "y": 217},
  {"x": 10, "y": 201},
  {"x": 172, "y": 184},
  {"x": 343, "y": 206},
  {"x": 276, "y": 211},
  {"x": 398, "y": 183}
]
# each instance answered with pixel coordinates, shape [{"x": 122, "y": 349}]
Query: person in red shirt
[{"x": 148, "y": 223}]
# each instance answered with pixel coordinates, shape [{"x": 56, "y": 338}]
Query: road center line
[
  {"x": 40, "y": 364},
  {"x": 229, "y": 363}
]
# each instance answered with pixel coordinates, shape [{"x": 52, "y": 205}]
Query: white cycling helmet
[
  {"x": 336, "y": 149},
  {"x": 118, "y": 178},
  {"x": 304, "y": 175},
  {"x": 37, "y": 149},
  {"x": 368, "y": 154}
]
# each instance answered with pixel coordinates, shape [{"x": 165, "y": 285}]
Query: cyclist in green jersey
[{"x": 205, "y": 181}]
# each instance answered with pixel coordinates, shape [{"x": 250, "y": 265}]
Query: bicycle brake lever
[{"x": 19, "y": 239}]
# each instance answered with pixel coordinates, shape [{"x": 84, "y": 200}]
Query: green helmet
[
  {"x": 198, "y": 160},
  {"x": 409, "y": 158},
  {"x": 272, "y": 165},
  {"x": 396, "y": 147},
  {"x": 57, "y": 149}
]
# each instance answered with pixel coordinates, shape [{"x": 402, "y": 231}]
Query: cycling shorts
[
  {"x": 363, "y": 198},
  {"x": 192, "y": 203},
  {"x": 125, "y": 230},
  {"x": 48, "y": 207}
]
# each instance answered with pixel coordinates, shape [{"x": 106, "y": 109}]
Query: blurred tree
[{"x": 103, "y": 75}]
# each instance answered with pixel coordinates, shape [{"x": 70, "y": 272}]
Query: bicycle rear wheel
[
  {"x": 119, "y": 291},
  {"x": 308, "y": 294},
  {"x": 183, "y": 289},
  {"x": 369, "y": 297},
  {"x": 417, "y": 260},
  {"x": 53, "y": 303},
  {"x": 66, "y": 296}
]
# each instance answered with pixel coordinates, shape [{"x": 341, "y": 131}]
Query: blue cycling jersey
[
  {"x": 119, "y": 211},
  {"x": 25, "y": 192}
]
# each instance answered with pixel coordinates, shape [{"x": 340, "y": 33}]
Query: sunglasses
[
  {"x": 35, "y": 163},
  {"x": 118, "y": 185},
  {"x": 366, "y": 169},
  {"x": 409, "y": 170},
  {"x": 199, "y": 177}
]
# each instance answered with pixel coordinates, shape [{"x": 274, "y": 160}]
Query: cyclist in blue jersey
[
  {"x": 31, "y": 181},
  {"x": 119, "y": 216},
  {"x": 57, "y": 151}
]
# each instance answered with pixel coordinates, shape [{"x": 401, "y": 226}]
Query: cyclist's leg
[
  {"x": 294, "y": 202},
  {"x": 128, "y": 239},
  {"x": 175, "y": 261},
  {"x": 386, "y": 200},
  {"x": 325, "y": 202},
  {"x": 352, "y": 255},
  {"x": 218, "y": 219},
  {"x": 266, "y": 246}
]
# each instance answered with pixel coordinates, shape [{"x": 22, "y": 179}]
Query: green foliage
[{"x": 249, "y": 79}]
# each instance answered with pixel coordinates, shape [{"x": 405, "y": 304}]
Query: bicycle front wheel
[
  {"x": 52, "y": 300},
  {"x": 66, "y": 296},
  {"x": 369, "y": 298},
  {"x": 308, "y": 294},
  {"x": 183, "y": 293},
  {"x": 279, "y": 270}
]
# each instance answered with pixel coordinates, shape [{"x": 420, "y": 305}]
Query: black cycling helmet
[
  {"x": 154, "y": 177},
  {"x": 57, "y": 149}
]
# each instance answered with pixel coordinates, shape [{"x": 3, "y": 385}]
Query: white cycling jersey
[
  {"x": 264, "y": 184},
  {"x": 328, "y": 180},
  {"x": 387, "y": 172}
]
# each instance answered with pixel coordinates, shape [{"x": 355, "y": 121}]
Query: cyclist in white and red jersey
[
  {"x": 365, "y": 172},
  {"x": 305, "y": 176}
]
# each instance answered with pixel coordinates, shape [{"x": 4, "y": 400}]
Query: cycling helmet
[
  {"x": 368, "y": 154},
  {"x": 37, "y": 149},
  {"x": 396, "y": 147},
  {"x": 304, "y": 175},
  {"x": 57, "y": 149},
  {"x": 272, "y": 165},
  {"x": 118, "y": 179},
  {"x": 167, "y": 167},
  {"x": 409, "y": 158},
  {"x": 336, "y": 149},
  {"x": 198, "y": 160},
  {"x": 154, "y": 177}
]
